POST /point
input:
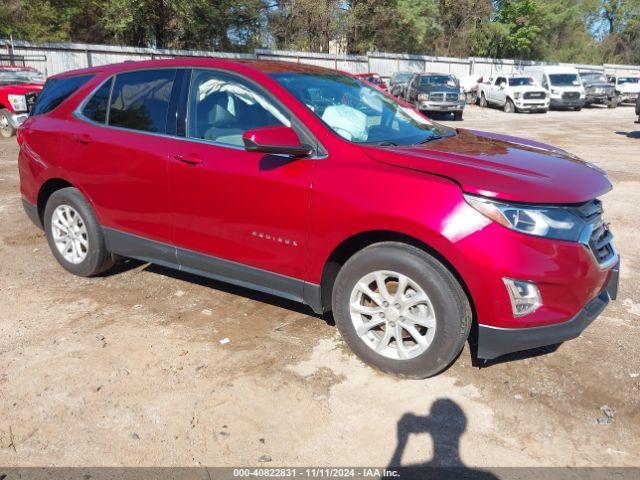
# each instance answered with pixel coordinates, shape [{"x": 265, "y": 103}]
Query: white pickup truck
[{"x": 514, "y": 94}]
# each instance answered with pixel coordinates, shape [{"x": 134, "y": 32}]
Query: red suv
[{"x": 312, "y": 185}]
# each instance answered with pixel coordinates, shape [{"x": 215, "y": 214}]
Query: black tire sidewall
[
  {"x": 453, "y": 318},
  {"x": 98, "y": 258},
  {"x": 12, "y": 130}
]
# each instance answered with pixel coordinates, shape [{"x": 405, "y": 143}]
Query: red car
[
  {"x": 309, "y": 184},
  {"x": 373, "y": 78},
  {"x": 16, "y": 83}
]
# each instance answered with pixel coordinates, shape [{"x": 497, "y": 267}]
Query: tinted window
[
  {"x": 521, "y": 81},
  {"x": 438, "y": 80},
  {"x": 96, "y": 108},
  {"x": 140, "y": 100},
  {"x": 56, "y": 91},
  {"x": 222, "y": 107}
]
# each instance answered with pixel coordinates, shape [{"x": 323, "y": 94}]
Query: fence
[{"x": 52, "y": 58}]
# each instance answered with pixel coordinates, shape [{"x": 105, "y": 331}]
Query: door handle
[
  {"x": 81, "y": 138},
  {"x": 191, "y": 158}
]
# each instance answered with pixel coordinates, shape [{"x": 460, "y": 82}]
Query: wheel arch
[
  {"x": 47, "y": 189},
  {"x": 353, "y": 244}
]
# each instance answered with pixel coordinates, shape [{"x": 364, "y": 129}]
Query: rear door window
[
  {"x": 96, "y": 108},
  {"x": 56, "y": 91},
  {"x": 140, "y": 100}
]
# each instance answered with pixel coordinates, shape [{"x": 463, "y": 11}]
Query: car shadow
[
  {"x": 237, "y": 290},
  {"x": 634, "y": 134},
  {"x": 445, "y": 423}
]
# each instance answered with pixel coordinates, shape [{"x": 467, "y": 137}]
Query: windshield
[
  {"x": 564, "y": 79},
  {"x": 15, "y": 76},
  {"x": 622, "y": 80},
  {"x": 358, "y": 112},
  {"x": 521, "y": 81},
  {"x": 401, "y": 77},
  {"x": 438, "y": 80},
  {"x": 594, "y": 77}
]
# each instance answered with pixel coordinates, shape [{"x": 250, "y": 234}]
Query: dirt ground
[{"x": 128, "y": 369}]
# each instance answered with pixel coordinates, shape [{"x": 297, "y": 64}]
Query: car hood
[
  {"x": 598, "y": 85},
  {"x": 630, "y": 87},
  {"x": 503, "y": 167},
  {"x": 21, "y": 88}
]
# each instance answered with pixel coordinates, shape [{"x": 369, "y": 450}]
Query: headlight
[
  {"x": 541, "y": 221},
  {"x": 516, "y": 95},
  {"x": 18, "y": 102},
  {"x": 423, "y": 97}
]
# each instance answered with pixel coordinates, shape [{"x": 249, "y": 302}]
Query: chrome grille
[
  {"x": 452, "y": 97},
  {"x": 600, "y": 238},
  {"x": 528, "y": 95},
  {"x": 436, "y": 97},
  {"x": 571, "y": 95}
]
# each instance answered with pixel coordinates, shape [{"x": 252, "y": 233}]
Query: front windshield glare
[
  {"x": 564, "y": 79},
  {"x": 520, "y": 81},
  {"x": 358, "y": 112}
]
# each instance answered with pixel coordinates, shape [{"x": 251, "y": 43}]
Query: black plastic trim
[
  {"x": 494, "y": 342},
  {"x": 130, "y": 245},
  {"x": 32, "y": 213}
]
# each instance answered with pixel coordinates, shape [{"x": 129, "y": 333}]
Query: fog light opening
[{"x": 525, "y": 296}]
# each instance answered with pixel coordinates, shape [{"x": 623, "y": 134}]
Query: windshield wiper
[
  {"x": 430, "y": 139},
  {"x": 383, "y": 143}
]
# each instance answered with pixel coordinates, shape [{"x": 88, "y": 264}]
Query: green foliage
[{"x": 586, "y": 31}]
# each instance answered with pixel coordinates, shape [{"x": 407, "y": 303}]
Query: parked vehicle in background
[
  {"x": 470, "y": 85},
  {"x": 627, "y": 87},
  {"x": 312, "y": 185},
  {"x": 436, "y": 92},
  {"x": 638, "y": 109},
  {"x": 373, "y": 78},
  {"x": 517, "y": 93},
  {"x": 563, "y": 84},
  {"x": 598, "y": 90},
  {"x": 16, "y": 83},
  {"x": 398, "y": 83}
]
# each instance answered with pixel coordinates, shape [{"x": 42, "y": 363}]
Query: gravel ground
[{"x": 128, "y": 369}]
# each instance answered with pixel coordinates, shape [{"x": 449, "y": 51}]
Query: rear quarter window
[
  {"x": 96, "y": 108},
  {"x": 56, "y": 91},
  {"x": 140, "y": 100}
]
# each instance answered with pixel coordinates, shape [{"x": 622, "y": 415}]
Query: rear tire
[
  {"x": 74, "y": 234},
  {"x": 6, "y": 129},
  {"x": 431, "y": 303}
]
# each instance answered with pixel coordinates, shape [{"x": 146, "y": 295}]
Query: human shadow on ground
[{"x": 446, "y": 422}]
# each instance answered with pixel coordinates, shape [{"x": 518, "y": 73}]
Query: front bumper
[
  {"x": 494, "y": 341},
  {"x": 628, "y": 97},
  {"x": 537, "y": 104},
  {"x": 441, "y": 106},
  {"x": 565, "y": 103}
]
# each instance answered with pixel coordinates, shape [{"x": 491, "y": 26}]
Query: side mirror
[{"x": 276, "y": 141}]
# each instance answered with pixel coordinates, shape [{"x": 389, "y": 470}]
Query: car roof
[{"x": 261, "y": 66}]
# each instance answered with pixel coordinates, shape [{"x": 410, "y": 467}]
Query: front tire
[
  {"x": 509, "y": 106},
  {"x": 6, "y": 129},
  {"x": 74, "y": 234},
  {"x": 457, "y": 116},
  {"x": 400, "y": 310},
  {"x": 483, "y": 101}
]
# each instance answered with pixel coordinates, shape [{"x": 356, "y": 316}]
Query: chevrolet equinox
[{"x": 312, "y": 185}]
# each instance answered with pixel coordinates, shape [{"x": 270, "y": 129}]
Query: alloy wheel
[
  {"x": 70, "y": 234},
  {"x": 392, "y": 315}
]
